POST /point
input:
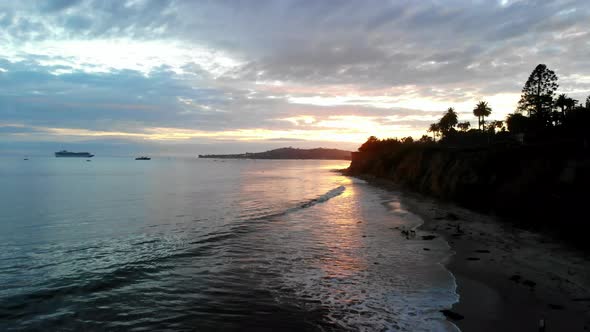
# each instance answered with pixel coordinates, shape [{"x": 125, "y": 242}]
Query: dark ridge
[{"x": 287, "y": 153}]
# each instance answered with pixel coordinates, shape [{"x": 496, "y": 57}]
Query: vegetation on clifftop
[
  {"x": 533, "y": 168},
  {"x": 540, "y": 118}
]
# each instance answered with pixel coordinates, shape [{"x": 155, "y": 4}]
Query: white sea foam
[
  {"x": 355, "y": 265},
  {"x": 206, "y": 245}
]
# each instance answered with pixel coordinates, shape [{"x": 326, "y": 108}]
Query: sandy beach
[{"x": 509, "y": 279}]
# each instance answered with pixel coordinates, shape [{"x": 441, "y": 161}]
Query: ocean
[{"x": 211, "y": 245}]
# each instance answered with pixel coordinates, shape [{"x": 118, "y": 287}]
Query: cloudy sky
[{"x": 186, "y": 77}]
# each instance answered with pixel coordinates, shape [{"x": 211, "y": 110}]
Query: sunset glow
[{"x": 145, "y": 72}]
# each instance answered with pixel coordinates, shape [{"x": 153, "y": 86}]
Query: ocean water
[{"x": 210, "y": 245}]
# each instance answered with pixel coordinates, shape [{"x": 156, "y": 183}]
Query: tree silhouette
[
  {"x": 369, "y": 145},
  {"x": 481, "y": 110},
  {"x": 570, "y": 103},
  {"x": 561, "y": 102},
  {"x": 564, "y": 103},
  {"x": 464, "y": 126},
  {"x": 408, "y": 140},
  {"x": 448, "y": 121},
  {"x": 537, "y": 93},
  {"x": 425, "y": 139},
  {"x": 434, "y": 129},
  {"x": 497, "y": 124},
  {"x": 538, "y": 116},
  {"x": 517, "y": 123}
]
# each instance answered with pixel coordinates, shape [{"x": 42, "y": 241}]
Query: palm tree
[
  {"x": 571, "y": 103},
  {"x": 448, "y": 121},
  {"x": 565, "y": 103},
  {"x": 434, "y": 129},
  {"x": 561, "y": 102},
  {"x": 464, "y": 126},
  {"x": 452, "y": 117},
  {"x": 481, "y": 110}
]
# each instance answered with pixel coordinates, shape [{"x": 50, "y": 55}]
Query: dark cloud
[
  {"x": 12, "y": 129},
  {"x": 57, "y": 5},
  {"x": 454, "y": 51},
  {"x": 98, "y": 100}
]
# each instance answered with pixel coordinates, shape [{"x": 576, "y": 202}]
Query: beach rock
[
  {"x": 529, "y": 283},
  {"x": 582, "y": 299},
  {"x": 452, "y": 315},
  {"x": 452, "y": 216},
  {"x": 555, "y": 306},
  {"x": 428, "y": 237},
  {"x": 515, "y": 278}
]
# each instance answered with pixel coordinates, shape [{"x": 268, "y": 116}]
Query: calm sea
[{"x": 118, "y": 244}]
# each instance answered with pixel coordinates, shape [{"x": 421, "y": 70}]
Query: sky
[{"x": 124, "y": 77}]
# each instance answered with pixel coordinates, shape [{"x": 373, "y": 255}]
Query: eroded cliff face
[{"x": 532, "y": 185}]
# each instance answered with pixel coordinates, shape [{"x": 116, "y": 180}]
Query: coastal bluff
[{"x": 542, "y": 187}]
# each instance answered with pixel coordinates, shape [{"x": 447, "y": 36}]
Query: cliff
[
  {"x": 545, "y": 187},
  {"x": 288, "y": 153}
]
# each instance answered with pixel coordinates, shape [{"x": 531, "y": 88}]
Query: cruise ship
[{"x": 68, "y": 154}]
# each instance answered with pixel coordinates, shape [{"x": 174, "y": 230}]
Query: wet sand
[{"x": 508, "y": 279}]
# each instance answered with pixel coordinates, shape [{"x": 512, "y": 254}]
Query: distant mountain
[{"x": 287, "y": 153}]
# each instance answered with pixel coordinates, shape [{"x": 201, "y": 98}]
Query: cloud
[
  {"x": 276, "y": 68},
  {"x": 57, "y": 5}
]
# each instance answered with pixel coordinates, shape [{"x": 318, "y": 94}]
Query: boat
[
  {"x": 68, "y": 154},
  {"x": 143, "y": 158}
]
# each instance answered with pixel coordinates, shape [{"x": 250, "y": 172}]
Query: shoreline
[{"x": 508, "y": 279}]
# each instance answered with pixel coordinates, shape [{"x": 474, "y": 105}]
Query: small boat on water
[
  {"x": 143, "y": 158},
  {"x": 68, "y": 154}
]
